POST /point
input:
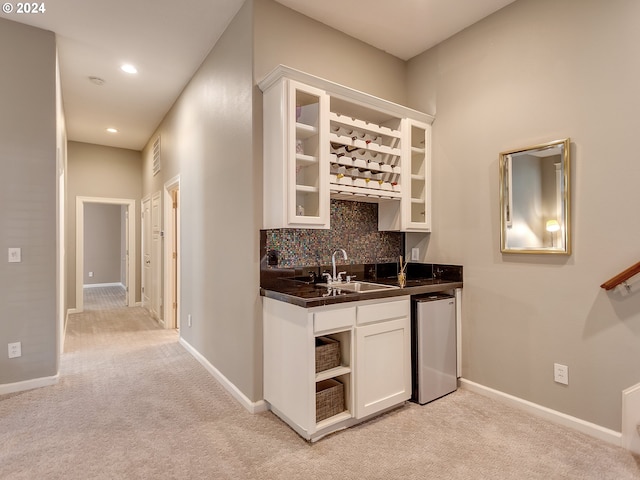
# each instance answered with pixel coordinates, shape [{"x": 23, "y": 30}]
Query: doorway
[
  {"x": 171, "y": 253},
  {"x": 160, "y": 254},
  {"x": 129, "y": 251}
]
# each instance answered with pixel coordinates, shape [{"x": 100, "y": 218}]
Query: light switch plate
[{"x": 15, "y": 255}]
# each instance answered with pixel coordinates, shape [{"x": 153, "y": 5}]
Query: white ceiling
[{"x": 168, "y": 40}]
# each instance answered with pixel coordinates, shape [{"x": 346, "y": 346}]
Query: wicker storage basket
[
  {"x": 327, "y": 353},
  {"x": 329, "y": 399}
]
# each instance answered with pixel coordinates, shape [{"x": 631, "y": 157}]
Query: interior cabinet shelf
[
  {"x": 345, "y": 192},
  {"x": 306, "y": 189},
  {"x": 332, "y": 372},
  {"x": 304, "y": 131},
  {"x": 306, "y": 160}
]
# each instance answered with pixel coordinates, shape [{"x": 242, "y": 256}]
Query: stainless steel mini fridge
[{"x": 434, "y": 368}]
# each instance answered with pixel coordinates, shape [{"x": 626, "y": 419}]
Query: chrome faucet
[{"x": 337, "y": 277}]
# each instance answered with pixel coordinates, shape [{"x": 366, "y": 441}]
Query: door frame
[
  {"x": 144, "y": 222},
  {"x": 171, "y": 285},
  {"x": 131, "y": 246}
]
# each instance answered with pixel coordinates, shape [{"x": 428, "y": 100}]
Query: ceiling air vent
[{"x": 156, "y": 156}]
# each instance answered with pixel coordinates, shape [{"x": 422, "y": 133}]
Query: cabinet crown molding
[{"x": 337, "y": 90}]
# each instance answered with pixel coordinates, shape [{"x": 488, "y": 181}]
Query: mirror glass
[{"x": 534, "y": 199}]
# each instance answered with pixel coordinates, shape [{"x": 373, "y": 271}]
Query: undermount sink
[{"x": 359, "y": 286}]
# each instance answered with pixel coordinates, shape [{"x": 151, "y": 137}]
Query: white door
[
  {"x": 125, "y": 249},
  {"x": 383, "y": 365},
  {"x": 155, "y": 295},
  {"x": 146, "y": 252},
  {"x": 175, "y": 236}
]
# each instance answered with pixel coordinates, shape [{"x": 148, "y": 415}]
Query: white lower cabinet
[
  {"x": 384, "y": 373},
  {"x": 373, "y": 374}
]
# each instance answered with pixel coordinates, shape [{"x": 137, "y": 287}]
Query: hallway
[{"x": 104, "y": 298}]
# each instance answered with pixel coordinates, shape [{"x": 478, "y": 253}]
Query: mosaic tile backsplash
[{"x": 354, "y": 227}]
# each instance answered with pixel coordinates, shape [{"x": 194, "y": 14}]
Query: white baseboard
[
  {"x": 554, "y": 416},
  {"x": 64, "y": 332},
  {"x": 252, "y": 407},
  {"x": 631, "y": 419},
  {"x": 28, "y": 384},
  {"x": 98, "y": 285}
]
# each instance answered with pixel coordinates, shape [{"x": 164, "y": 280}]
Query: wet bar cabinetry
[
  {"x": 323, "y": 140},
  {"x": 373, "y": 373}
]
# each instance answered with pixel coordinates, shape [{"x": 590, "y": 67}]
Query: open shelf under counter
[
  {"x": 332, "y": 372},
  {"x": 340, "y": 417}
]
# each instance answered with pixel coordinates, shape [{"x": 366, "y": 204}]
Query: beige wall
[
  {"x": 28, "y": 140},
  {"x": 103, "y": 243},
  {"x": 99, "y": 171},
  {"x": 283, "y": 36},
  {"x": 541, "y": 70}
]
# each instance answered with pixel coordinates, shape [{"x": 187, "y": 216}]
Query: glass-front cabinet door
[
  {"x": 308, "y": 149},
  {"x": 417, "y": 205}
]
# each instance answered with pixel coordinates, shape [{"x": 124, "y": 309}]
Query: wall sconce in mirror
[{"x": 534, "y": 199}]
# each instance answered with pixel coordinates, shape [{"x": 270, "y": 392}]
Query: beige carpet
[
  {"x": 133, "y": 404},
  {"x": 104, "y": 298}
]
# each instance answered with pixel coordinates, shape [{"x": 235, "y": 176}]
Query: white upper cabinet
[
  {"x": 323, "y": 140},
  {"x": 296, "y": 187},
  {"x": 417, "y": 205}
]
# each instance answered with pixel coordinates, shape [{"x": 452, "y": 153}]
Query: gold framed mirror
[{"x": 534, "y": 199}]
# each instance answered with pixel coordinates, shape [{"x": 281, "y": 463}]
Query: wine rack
[
  {"x": 323, "y": 141},
  {"x": 365, "y": 158}
]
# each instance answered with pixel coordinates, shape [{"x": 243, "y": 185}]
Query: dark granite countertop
[{"x": 306, "y": 294}]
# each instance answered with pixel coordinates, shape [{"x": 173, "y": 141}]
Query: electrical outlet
[
  {"x": 189, "y": 319},
  {"x": 561, "y": 374},
  {"x": 90, "y": 274},
  {"x": 415, "y": 254},
  {"x": 15, "y": 350},
  {"x": 15, "y": 255}
]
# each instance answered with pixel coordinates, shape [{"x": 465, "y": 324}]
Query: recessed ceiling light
[
  {"x": 128, "y": 68},
  {"x": 112, "y": 130}
]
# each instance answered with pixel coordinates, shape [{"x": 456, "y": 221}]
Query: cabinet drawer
[
  {"x": 334, "y": 319},
  {"x": 377, "y": 312}
]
